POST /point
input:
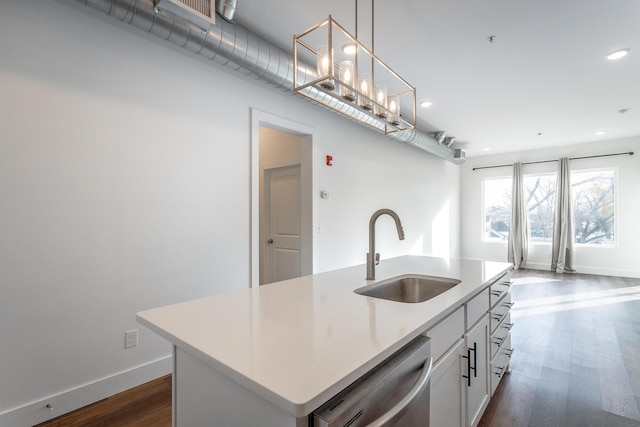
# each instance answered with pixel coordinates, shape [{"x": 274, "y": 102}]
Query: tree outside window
[
  {"x": 540, "y": 191},
  {"x": 593, "y": 207},
  {"x": 497, "y": 208}
]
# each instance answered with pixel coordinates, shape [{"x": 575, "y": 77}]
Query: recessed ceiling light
[
  {"x": 349, "y": 48},
  {"x": 601, "y": 132},
  {"x": 617, "y": 54},
  {"x": 486, "y": 149},
  {"x": 426, "y": 104}
]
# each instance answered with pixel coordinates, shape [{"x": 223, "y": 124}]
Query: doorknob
[{"x": 270, "y": 241}]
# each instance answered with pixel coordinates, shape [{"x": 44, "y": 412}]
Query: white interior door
[{"x": 283, "y": 209}]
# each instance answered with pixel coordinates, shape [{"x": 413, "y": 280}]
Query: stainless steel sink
[{"x": 409, "y": 288}]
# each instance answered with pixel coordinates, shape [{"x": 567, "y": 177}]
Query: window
[
  {"x": 593, "y": 194},
  {"x": 593, "y": 207},
  {"x": 497, "y": 208},
  {"x": 540, "y": 193}
]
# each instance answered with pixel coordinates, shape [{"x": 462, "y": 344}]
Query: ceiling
[{"x": 544, "y": 81}]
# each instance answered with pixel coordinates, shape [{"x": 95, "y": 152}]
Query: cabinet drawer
[
  {"x": 500, "y": 311},
  {"x": 446, "y": 333},
  {"x": 500, "y": 363},
  {"x": 499, "y": 335},
  {"x": 476, "y": 308},
  {"x": 499, "y": 288}
]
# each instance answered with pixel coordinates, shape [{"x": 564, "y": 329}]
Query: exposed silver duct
[
  {"x": 440, "y": 136},
  {"x": 244, "y": 51},
  {"x": 226, "y": 9}
]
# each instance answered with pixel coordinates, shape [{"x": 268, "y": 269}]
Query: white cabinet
[
  {"x": 500, "y": 363},
  {"x": 500, "y": 311},
  {"x": 476, "y": 307},
  {"x": 500, "y": 322},
  {"x": 448, "y": 389},
  {"x": 499, "y": 336},
  {"x": 499, "y": 288},
  {"x": 447, "y": 386},
  {"x": 460, "y": 387},
  {"x": 477, "y": 369},
  {"x": 445, "y": 334}
]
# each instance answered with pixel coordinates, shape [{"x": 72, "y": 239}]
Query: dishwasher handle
[{"x": 417, "y": 388}]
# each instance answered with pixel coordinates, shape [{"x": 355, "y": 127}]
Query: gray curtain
[
  {"x": 562, "y": 249},
  {"x": 519, "y": 223}
]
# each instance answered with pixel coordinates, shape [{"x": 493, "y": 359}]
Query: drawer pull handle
[
  {"x": 508, "y": 325},
  {"x": 501, "y": 372},
  {"x": 509, "y": 352},
  {"x": 498, "y": 340},
  {"x": 475, "y": 360},
  {"x": 475, "y": 364},
  {"x": 468, "y": 376},
  {"x": 508, "y": 284},
  {"x": 498, "y": 317},
  {"x": 496, "y": 293},
  {"x": 509, "y": 304}
]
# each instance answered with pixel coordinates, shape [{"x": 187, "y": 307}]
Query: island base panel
[{"x": 205, "y": 397}]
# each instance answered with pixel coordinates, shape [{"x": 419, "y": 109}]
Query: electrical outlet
[{"x": 131, "y": 338}]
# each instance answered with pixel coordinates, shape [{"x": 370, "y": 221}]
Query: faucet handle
[{"x": 377, "y": 258}]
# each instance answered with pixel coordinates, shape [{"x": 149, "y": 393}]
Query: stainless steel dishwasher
[{"x": 394, "y": 393}]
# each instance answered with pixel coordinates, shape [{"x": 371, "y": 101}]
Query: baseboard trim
[
  {"x": 614, "y": 272},
  {"x": 86, "y": 394},
  {"x": 538, "y": 266},
  {"x": 590, "y": 270}
]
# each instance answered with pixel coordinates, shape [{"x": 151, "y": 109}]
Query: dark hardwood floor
[
  {"x": 576, "y": 361},
  {"x": 148, "y": 405},
  {"x": 577, "y": 353}
]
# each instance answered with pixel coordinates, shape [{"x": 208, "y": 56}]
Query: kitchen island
[{"x": 272, "y": 355}]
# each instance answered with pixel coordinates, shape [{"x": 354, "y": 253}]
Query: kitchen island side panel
[{"x": 204, "y": 397}]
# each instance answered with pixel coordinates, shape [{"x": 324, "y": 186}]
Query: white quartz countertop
[{"x": 298, "y": 342}]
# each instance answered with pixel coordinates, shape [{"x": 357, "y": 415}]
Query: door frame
[
  {"x": 260, "y": 118},
  {"x": 268, "y": 257}
]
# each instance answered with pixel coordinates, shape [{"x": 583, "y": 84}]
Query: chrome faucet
[{"x": 373, "y": 258}]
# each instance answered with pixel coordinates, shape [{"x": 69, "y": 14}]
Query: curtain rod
[{"x": 630, "y": 153}]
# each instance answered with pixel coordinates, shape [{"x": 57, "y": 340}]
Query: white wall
[
  {"x": 125, "y": 185},
  {"x": 278, "y": 148},
  {"x": 621, "y": 260}
]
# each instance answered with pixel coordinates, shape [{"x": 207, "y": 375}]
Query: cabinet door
[
  {"x": 477, "y": 368},
  {"x": 447, "y": 389}
]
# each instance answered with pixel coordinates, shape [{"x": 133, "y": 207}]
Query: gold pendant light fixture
[{"x": 334, "y": 68}]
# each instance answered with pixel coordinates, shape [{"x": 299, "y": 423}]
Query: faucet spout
[{"x": 373, "y": 258}]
